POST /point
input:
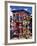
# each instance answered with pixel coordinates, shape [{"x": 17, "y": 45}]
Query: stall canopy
[{"x": 27, "y": 9}]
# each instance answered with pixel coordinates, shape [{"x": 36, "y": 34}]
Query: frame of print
[{"x": 20, "y": 22}]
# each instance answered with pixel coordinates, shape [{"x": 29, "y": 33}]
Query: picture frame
[{"x": 26, "y": 9}]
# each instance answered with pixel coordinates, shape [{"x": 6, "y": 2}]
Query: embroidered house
[{"x": 20, "y": 23}]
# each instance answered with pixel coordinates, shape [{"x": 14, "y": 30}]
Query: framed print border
[{"x": 6, "y": 23}]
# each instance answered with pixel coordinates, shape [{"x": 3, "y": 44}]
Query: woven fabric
[{"x": 20, "y": 25}]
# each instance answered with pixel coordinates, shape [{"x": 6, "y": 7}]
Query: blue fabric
[{"x": 17, "y": 8}]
